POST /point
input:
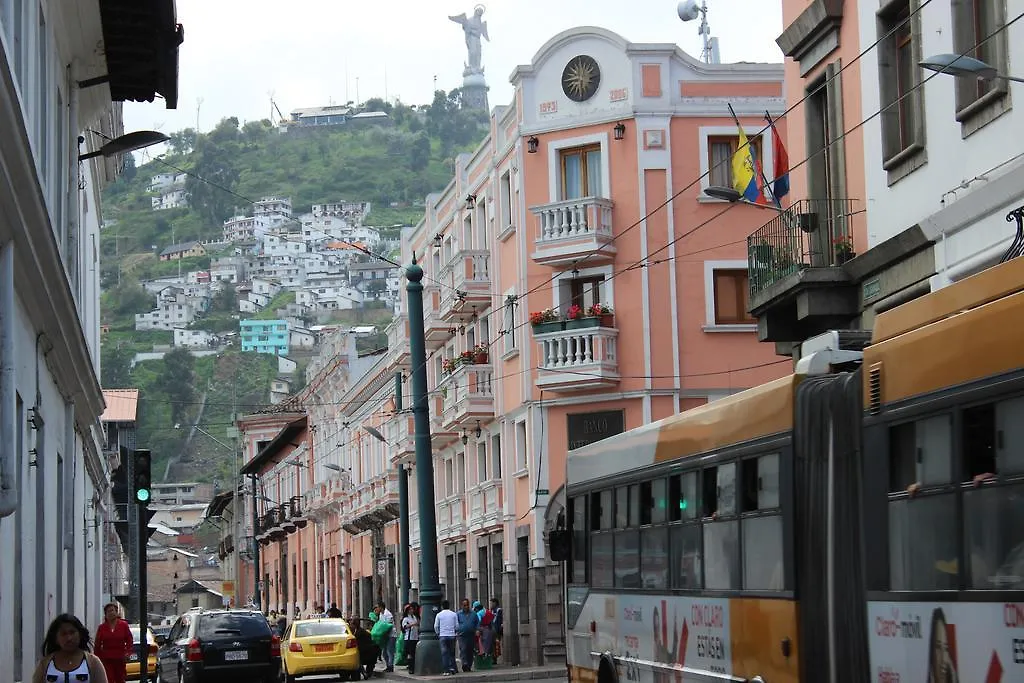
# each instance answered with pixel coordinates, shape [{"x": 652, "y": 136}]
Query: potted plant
[
  {"x": 448, "y": 366},
  {"x": 466, "y": 357},
  {"x": 547, "y": 320},
  {"x": 603, "y": 314},
  {"x": 842, "y": 246},
  {"x": 480, "y": 353},
  {"x": 576, "y": 318}
]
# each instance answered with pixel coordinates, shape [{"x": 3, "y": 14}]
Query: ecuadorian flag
[{"x": 744, "y": 173}]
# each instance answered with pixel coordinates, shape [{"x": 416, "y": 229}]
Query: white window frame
[
  {"x": 710, "y": 325},
  {"x": 555, "y": 148},
  {"x": 522, "y": 452},
  {"x": 608, "y": 293},
  {"x": 753, "y": 134}
]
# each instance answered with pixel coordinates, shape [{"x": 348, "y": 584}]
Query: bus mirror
[{"x": 559, "y": 545}]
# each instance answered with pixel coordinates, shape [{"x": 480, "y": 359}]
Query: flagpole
[{"x": 757, "y": 162}]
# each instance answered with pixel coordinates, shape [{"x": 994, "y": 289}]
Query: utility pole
[
  {"x": 428, "y": 652},
  {"x": 255, "y": 551},
  {"x": 141, "y": 494}
]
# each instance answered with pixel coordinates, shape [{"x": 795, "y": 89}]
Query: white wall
[{"x": 967, "y": 223}]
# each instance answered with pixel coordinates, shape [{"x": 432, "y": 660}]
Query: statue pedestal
[{"x": 474, "y": 91}]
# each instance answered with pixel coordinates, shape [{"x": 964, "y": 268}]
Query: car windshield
[
  {"x": 135, "y": 635},
  {"x": 321, "y": 628},
  {"x": 244, "y": 625}
]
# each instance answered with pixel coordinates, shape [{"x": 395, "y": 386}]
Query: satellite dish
[{"x": 688, "y": 10}]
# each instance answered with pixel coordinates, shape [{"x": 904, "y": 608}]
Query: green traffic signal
[
  {"x": 142, "y": 495},
  {"x": 142, "y": 476},
  {"x": 683, "y": 504}
]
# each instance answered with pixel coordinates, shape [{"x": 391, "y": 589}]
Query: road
[{"x": 324, "y": 679}]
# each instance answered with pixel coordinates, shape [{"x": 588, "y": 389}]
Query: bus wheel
[{"x": 606, "y": 672}]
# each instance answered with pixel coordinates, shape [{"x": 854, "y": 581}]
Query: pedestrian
[
  {"x": 368, "y": 650},
  {"x": 410, "y": 635},
  {"x": 66, "y": 654},
  {"x": 390, "y": 640},
  {"x": 498, "y": 627},
  {"x": 282, "y": 625},
  {"x": 486, "y": 629},
  {"x": 446, "y": 625},
  {"x": 114, "y": 643},
  {"x": 469, "y": 625},
  {"x": 334, "y": 612}
]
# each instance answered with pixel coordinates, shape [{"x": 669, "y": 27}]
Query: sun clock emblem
[{"x": 581, "y": 78}]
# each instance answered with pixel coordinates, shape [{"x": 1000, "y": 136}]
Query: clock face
[{"x": 581, "y": 78}]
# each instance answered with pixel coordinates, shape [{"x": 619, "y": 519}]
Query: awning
[{"x": 140, "y": 41}]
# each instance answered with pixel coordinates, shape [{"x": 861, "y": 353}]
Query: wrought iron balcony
[
  {"x": 810, "y": 233},
  {"x": 577, "y": 359},
  {"x": 468, "y": 276},
  {"x": 572, "y": 229}
]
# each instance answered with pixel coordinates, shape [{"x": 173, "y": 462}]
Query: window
[
  {"x": 481, "y": 461},
  {"x": 585, "y": 291},
  {"x": 731, "y": 291},
  {"x": 521, "y": 446},
  {"x": 762, "y": 524},
  {"x": 578, "y": 515},
  {"x": 509, "y": 333},
  {"x": 720, "y": 151},
  {"x": 898, "y": 77},
  {"x": 974, "y": 21},
  {"x": 505, "y": 201},
  {"x": 496, "y": 456},
  {"x": 581, "y": 172}
]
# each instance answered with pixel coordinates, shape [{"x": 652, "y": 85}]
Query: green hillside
[{"x": 393, "y": 166}]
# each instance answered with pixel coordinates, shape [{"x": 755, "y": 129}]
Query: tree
[
  {"x": 214, "y": 174},
  {"x": 226, "y": 298},
  {"x": 175, "y": 381},
  {"x": 130, "y": 298},
  {"x": 419, "y": 152},
  {"x": 115, "y": 366},
  {"x": 183, "y": 141}
]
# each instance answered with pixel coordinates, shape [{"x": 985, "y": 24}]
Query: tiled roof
[{"x": 122, "y": 405}]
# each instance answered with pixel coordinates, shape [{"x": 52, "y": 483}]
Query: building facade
[
  {"x": 264, "y": 336},
  {"x": 54, "y": 479},
  {"x": 581, "y": 211}
]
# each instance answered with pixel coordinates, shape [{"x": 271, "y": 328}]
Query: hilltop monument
[{"x": 474, "y": 85}]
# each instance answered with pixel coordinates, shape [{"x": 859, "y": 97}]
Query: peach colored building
[
  {"x": 586, "y": 192},
  {"x": 804, "y": 276}
]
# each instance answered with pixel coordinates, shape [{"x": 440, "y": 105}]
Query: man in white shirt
[
  {"x": 389, "y": 644},
  {"x": 446, "y": 624}
]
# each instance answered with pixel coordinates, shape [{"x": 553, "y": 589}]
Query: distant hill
[{"x": 393, "y": 165}]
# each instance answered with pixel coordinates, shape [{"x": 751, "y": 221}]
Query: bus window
[
  {"x": 627, "y": 559},
  {"x": 922, "y": 526},
  {"x": 684, "y": 554},
  {"x": 653, "y": 502},
  {"x": 622, "y": 507},
  {"x": 682, "y": 497},
  {"x": 721, "y": 555},
  {"x": 578, "y": 512},
  {"x": 601, "y": 510},
  {"x": 654, "y": 557},
  {"x": 762, "y": 533},
  {"x": 719, "y": 489},
  {"x": 602, "y": 572}
]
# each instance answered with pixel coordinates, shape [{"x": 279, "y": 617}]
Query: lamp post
[
  {"x": 734, "y": 197},
  {"x": 428, "y": 652},
  {"x": 964, "y": 66}
]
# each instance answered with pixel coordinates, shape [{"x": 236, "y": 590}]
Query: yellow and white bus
[{"x": 860, "y": 520}]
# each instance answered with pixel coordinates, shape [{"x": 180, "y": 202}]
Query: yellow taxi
[
  {"x": 311, "y": 647},
  {"x": 133, "y": 667}
]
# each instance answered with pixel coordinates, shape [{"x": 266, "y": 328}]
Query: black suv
[{"x": 219, "y": 644}]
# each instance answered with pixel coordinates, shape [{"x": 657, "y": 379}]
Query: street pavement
[{"x": 455, "y": 678}]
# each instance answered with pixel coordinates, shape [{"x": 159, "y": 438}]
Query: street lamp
[
  {"x": 964, "y": 66},
  {"x": 129, "y": 142},
  {"x": 734, "y": 197},
  {"x": 428, "y": 652}
]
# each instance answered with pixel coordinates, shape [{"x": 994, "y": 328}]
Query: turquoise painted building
[{"x": 264, "y": 336}]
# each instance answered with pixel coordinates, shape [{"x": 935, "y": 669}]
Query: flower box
[
  {"x": 550, "y": 326},
  {"x": 582, "y": 322}
]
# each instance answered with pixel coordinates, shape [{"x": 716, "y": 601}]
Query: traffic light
[{"x": 143, "y": 479}]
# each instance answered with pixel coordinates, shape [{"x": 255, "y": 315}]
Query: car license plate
[
  {"x": 133, "y": 658},
  {"x": 236, "y": 655},
  {"x": 323, "y": 647}
]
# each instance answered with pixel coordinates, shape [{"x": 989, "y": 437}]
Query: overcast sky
[{"x": 313, "y": 52}]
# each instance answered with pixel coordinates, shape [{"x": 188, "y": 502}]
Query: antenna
[{"x": 688, "y": 10}]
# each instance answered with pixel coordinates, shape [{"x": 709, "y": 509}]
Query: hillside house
[
  {"x": 183, "y": 250},
  {"x": 195, "y": 339},
  {"x": 169, "y": 313},
  {"x": 264, "y": 336}
]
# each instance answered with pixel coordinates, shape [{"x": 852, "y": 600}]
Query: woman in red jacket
[{"x": 114, "y": 643}]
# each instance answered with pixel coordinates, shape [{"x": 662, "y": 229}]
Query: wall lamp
[
  {"x": 470, "y": 201},
  {"x": 531, "y": 144},
  {"x": 619, "y": 130},
  {"x": 478, "y": 431},
  {"x": 129, "y": 142},
  {"x": 964, "y": 66},
  {"x": 437, "y": 240},
  {"x": 465, "y": 437}
]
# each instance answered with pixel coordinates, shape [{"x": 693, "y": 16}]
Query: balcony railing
[
  {"x": 578, "y": 359},
  {"x": 451, "y": 520},
  {"x": 436, "y": 329},
  {"x": 468, "y": 277},
  {"x": 573, "y": 229},
  {"x": 398, "y": 339},
  {"x": 810, "y": 233},
  {"x": 468, "y": 394},
  {"x": 401, "y": 433},
  {"x": 485, "y": 506}
]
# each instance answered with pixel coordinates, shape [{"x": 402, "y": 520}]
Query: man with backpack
[{"x": 497, "y": 628}]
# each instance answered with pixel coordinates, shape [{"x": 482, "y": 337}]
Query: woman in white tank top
[{"x": 66, "y": 656}]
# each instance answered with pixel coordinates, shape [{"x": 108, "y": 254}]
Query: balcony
[
  {"x": 401, "y": 433},
  {"x": 574, "y": 229},
  {"x": 798, "y": 285},
  {"x": 468, "y": 395},
  {"x": 398, "y": 339},
  {"x": 374, "y": 504},
  {"x": 579, "y": 359},
  {"x": 440, "y": 435},
  {"x": 414, "y": 529},
  {"x": 485, "y": 506},
  {"x": 436, "y": 330},
  {"x": 451, "y": 518},
  {"x": 468, "y": 275}
]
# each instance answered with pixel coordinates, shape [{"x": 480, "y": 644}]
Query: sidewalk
[{"x": 501, "y": 673}]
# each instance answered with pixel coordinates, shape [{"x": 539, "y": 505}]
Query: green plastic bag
[
  {"x": 400, "y": 652},
  {"x": 380, "y": 632}
]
